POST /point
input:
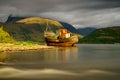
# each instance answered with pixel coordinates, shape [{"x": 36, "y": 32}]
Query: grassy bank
[
  {"x": 21, "y": 46},
  {"x": 8, "y": 43}
]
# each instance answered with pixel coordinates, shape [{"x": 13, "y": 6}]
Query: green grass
[
  {"x": 108, "y": 35},
  {"x": 5, "y": 37},
  {"x": 27, "y": 43}
]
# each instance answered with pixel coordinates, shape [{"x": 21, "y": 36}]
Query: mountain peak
[{"x": 13, "y": 19}]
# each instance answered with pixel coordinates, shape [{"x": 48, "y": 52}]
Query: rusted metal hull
[
  {"x": 70, "y": 42},
  {"x": 63, "y": 44}
]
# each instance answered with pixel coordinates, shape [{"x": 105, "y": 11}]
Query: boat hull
[
  {"x": 70, "y": 42},
  {"x": 62, "y": 44}
]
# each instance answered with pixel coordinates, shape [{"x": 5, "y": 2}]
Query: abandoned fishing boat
[{"x": 63, "y": 38}]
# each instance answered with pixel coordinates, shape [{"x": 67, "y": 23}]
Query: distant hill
[
  {"x": 13, "y": 19},
  {"x": 30, "y": 29},
  {"x": 103, "y": 35},
  {"x": 1, "y": 23},
  {"x": 40, "y": 21},
  {"x": 85, "y": 31},
  {"x": 69, "y": 27}
]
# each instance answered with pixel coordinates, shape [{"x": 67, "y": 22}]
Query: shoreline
[{"x": 8, "y": 47}]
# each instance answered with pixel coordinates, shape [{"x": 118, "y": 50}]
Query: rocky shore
[{"x": 6, "y": 47}]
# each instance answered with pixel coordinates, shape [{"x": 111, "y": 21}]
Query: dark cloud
[{"x": 76, "y": 12}]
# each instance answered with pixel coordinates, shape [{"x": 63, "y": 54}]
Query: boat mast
[{"x": 46, "y": 26}]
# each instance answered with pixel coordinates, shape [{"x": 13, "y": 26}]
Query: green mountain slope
[
  {"x": 30, "y": 29},
  {"x": 41, "y": 21},
  {"x": 104, "y": 35},
  {"x": 37, "y": 20}
]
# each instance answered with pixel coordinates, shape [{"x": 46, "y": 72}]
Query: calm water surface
[{"x": 83, "y": 62}]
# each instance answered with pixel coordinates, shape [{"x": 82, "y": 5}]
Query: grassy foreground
[
  {"x": 8, "y": 43},
  {"x": 21, "y": 46}
]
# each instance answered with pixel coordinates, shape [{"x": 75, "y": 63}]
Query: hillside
[
  {"x": 14, "y": 19},
  {"x": 1, "y": 23},
  {"x": 69, "y": 27},
  {"x": 31, "y": 29},
  {"x": 86, "y": 31},
  {"x": 41, "y": 21},
  {"x": 104, "y": 35},
  {"x": 4, "y": 36}
]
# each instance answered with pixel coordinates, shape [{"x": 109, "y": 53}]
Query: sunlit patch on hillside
[{"x": 37, "y": 20}]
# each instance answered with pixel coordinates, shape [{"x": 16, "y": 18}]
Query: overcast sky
[{"x": 79, "y": 13}]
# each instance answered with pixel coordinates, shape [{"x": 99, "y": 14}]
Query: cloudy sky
[{"x": 79, "y": 13}]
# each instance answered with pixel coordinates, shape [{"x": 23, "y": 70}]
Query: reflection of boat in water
[
  {"x": 62, "y": 37},
  {"x": 3, "y": 58},
  {"x": 40, "y": 57},
  {"x": 61, "y": 54}
]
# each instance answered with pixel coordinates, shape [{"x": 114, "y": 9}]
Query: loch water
[{"x": 81, "y": 62}]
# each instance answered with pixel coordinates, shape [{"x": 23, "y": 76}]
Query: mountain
[
  {"x": 104, "y": 35},
  {"x": 13, "y": 19},
  {"x": 85, "y": 31},
  {"x": 69, "y": 27},
  {"x": 30, "y": 29},
  {"x": 1, "y": 23},
  {"x": 40, "y": 21}
]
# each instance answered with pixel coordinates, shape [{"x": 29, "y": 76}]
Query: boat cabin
[{"x": 64, "y": 33}]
